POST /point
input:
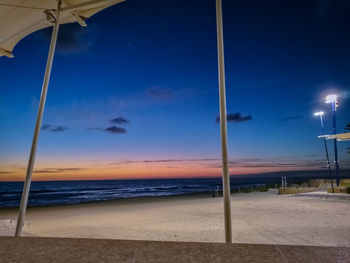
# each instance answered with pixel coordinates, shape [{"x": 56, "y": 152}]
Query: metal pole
[
  {"x": 223, "y": 125},
  {"x": 326, "y": 148},
  {"x": 335, "y": 144},
  {"x": 27, "y": 182}
]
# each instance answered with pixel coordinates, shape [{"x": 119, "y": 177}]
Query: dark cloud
[
  {"x": 72, "y": 38},
  {"x": 236, "y": 117},
  {"x": 112, "y": 129},
  {"x": 52, "y": 128},
  {"x": 255, "y": 163},
  {"x": 241, "y": 162},
  {"x": 5, "y": 172},
  {"x": 267, "y": 164},
  {"x": 57, "y": 170},
  {"x": 119, "y": 120},
  {"x": 291, "y": 118},
  {"x": 116, "y": 130},
  {"x": 282, "y": 163},
  {"x": 178, "y": 160},
  {"x": 166, "y": 161},
  {"x": 274, "y": 163},
  {"x": 160, "y": 93}
]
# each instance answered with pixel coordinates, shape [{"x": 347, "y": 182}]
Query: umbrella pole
[
  {"x": 28, "y": 179},
  {"x": 223, "y": 125}
]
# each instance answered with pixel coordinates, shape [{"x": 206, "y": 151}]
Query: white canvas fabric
[{"x": 19, "y": 18}]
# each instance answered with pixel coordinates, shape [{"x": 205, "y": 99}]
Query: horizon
[
  {"x": 131, "y": 97},
  {"x": 268, "y": 175}
]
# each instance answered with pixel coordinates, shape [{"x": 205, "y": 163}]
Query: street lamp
[
  {"x": 334, "y": 100},
  {"x": 321, "y": 113}
]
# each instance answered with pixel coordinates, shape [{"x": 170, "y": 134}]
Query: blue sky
[{"x": 154, "y": 63}]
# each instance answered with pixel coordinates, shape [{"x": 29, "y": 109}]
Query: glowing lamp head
[
  {"x": 319, "y": 113},
  {"x": 331, "y": 98}
]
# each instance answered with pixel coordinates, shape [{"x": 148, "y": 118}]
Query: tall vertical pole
[
  {"x": 28, "y": 179},
  {"x": 326, "y": 148},
  {"x": 334, "y": 107},
  {"x": 223, "y": 125}
]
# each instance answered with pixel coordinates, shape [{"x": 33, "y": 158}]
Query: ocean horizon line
[{"x": 288, "y": 173}]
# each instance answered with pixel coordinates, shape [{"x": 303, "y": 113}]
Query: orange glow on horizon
[{"x": 131, "y": 170}]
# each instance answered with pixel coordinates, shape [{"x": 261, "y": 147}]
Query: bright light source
[
  {"x": 331, "y": 98},
  {"x": 319, "y": 113}
]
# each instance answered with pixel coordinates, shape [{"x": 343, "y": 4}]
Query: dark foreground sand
[
  {"x": 260, "y": 218},
  {"x": 46, "y": 249}
]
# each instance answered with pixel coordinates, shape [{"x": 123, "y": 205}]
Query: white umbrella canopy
[{"x": 19, "y": 18}]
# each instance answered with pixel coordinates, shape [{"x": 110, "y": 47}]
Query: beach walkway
[{"x": 39, "y": 249}]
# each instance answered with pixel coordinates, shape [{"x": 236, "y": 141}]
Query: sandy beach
[{"x": 258, "y": 218}]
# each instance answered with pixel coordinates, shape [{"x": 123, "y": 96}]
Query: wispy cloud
[
  {"x": 264, "y": 163},
  {"x": 216, "y": 162},
  {"x": 57, "y": 170},
  {"x": 52, "y": 128},
  {"x": 164, "y": 93},
  {"x": 272, "y": 163},
  {"x": 165, "y": 161},
  {"x": 59, "y": 129},
  {"x": 6, "y": 172},
  {"x": 235, "y": 117},
  {"x": 160, "y": 93},
  {"x": 19, "y": 167}
]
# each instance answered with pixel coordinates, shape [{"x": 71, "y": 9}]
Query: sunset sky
[{"x": 135, "y": 95}]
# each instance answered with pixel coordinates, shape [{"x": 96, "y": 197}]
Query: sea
[{"x": 48, "y": 193}]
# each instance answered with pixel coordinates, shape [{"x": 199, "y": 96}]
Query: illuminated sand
[{"x": 261, "y": 218}]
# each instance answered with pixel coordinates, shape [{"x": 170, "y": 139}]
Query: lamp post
[
  {"x": 333, "y": 99},
  {"x": 321, "y": 113}
]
